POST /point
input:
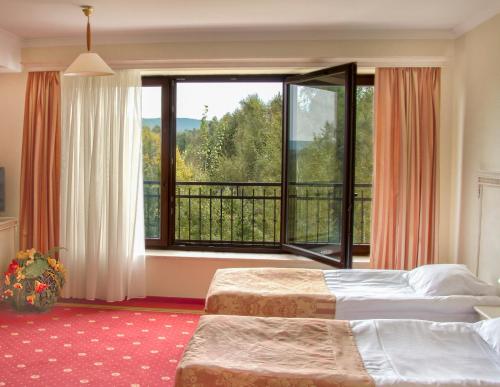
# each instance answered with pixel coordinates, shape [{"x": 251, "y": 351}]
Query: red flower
[
  {"x": 40, "y": 287},
  {"x": 12, "y": 267}
]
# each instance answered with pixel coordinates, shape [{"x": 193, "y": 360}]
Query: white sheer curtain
[{"x": 102, "y": 219}]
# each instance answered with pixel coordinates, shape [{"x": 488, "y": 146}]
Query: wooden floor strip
[{"x": 130, "y": 308}]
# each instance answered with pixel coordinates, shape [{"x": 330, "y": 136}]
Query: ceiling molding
[
  {"x": 243, "y": 70},
  {"x": 298, "y": 64}
]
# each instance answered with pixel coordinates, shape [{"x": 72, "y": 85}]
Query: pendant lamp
[{"x": 89, "y": 63}]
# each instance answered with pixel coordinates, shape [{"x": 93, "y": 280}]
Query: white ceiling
[{"x": 46, "y": 21}]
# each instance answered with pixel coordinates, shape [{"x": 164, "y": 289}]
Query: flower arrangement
[{"x": 33, "y": 281}]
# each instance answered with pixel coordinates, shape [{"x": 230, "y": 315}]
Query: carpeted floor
[{"x": 94, "y": 345}]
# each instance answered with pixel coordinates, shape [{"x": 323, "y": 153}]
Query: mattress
[
  {"x": 386, "y": 294},
  {"x": 274, "y": 351},
  {"x": 411, "y": 353}
]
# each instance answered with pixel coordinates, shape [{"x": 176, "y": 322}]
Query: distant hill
[
  {"x": 182, "y": 124},
  {"x": 151, "y": 122}
]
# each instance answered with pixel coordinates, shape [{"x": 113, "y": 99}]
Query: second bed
[{"x": 443, "y": 292}]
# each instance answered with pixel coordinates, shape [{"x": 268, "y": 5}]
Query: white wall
[
  {"x": 448, "y": 170},
  {"x": 477, "y": 111},
  {"x": 188, "y": 274},
  {"x": 10, "y": 52},
  {"x": 12, "y": 89}
]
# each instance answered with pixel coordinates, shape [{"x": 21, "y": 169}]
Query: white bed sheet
[
  {"x": 386, "y": 294},
  {"x": 410, "y": 353}
]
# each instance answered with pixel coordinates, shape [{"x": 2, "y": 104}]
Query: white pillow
[
  {"x": 447, "y": 280},
  {"x": 489, "y": 330}
]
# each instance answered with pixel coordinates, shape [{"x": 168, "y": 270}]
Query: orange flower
[
  {"x": 40, "y": 287},
  {"x": 31, "y": 299},
  {"x": 21, "y": 255},
  {"x": 53, "y": 263},
  {"x": 20, "y": 276},
  {"x": 8, "y": 293},
  {"x": 17, "y": 285}
]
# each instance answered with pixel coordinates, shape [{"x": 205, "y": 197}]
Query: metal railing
[{"x": 249, "y": 213}]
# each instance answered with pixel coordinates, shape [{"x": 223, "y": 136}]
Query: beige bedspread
[
  {"x": 244, "y": 351},
  {"x": 270, "y": 292}
]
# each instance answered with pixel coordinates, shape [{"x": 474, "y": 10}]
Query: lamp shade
[{"x": 88, "y": 64}]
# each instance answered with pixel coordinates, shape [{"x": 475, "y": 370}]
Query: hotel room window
[{"x": 216, "y": 143}]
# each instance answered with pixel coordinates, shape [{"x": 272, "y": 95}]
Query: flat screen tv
[{"x": 2, "y": 189}]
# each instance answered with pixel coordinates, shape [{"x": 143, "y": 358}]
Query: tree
[
  {"x": 151, "y": 159},
  {"x": 244, "y": 145},
  {"x": 151, "y": 154},
  {"x": 182, "y": 171}
]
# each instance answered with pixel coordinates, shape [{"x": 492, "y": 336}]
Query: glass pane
[
  {"x": 364, "y": 165},
  {"x": 315, "y": 164},
  {"x": 228, "y": 162},
  {"x": 151, "y": 151}
]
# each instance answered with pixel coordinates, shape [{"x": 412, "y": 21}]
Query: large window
[{"x": 213, "y": 164}]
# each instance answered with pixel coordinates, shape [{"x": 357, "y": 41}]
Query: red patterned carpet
[{"x": 94, "y": 345}]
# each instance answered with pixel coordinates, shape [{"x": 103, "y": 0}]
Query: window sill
[
  {"x": 358, "y": 262},
  {"x": 217, "y": 255}
]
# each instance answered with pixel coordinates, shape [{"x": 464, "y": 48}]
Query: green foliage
[
  {"x": 151, "y": 153},
  {"x": 36, "y": 269},
  {"x": 246, "y": 146},
  {"x": 243, "y": 146},
  {"x": 182, "y": 170},
  {"x": 151, "y": 156},
  {"x": 364, "y": 135},
  {"x": 363, "y": 165}
]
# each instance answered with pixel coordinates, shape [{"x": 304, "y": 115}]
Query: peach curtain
[
  {"x": 40, "y": 165},
  {"x": 404, "y": 209}
]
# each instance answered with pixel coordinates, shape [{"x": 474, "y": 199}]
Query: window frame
[
  {"x": 168, "y": 83},
  {"x": 164, "y": 83}
]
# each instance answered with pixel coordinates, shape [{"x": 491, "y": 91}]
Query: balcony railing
[{"x": 249, "y": 213}]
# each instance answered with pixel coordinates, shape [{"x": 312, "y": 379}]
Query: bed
[
  {"x": 443, "y": 293},
  {"x": 275, "y": 351}
]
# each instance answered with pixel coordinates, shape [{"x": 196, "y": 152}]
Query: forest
[{"x": 240, "y": 156}]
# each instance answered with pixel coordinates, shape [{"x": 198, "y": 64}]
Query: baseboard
[{"x": 150, "y": 301}]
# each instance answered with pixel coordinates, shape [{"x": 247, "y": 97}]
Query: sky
[{"x": 221, "y": 97}]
